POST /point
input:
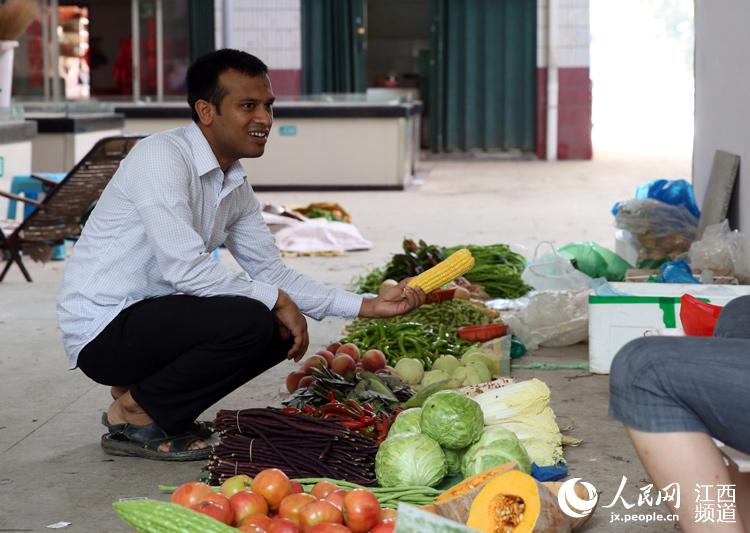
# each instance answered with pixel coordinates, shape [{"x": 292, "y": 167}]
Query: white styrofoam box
[{"x": 616, "y": 320}]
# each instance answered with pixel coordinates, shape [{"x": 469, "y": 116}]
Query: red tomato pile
[{"x": 272, "y": 503}]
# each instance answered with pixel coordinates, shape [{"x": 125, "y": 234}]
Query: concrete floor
[{"x": 51, "y": 466}]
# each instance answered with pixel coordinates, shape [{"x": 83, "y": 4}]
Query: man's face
[{"x": 242, "y": 128}]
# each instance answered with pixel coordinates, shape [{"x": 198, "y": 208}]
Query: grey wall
[{"x": 722, "y": 94}]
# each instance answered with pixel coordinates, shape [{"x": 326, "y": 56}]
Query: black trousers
[{"x": 180, "y": 354}]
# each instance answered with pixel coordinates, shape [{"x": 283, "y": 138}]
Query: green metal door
[
  {"x": 334, "y": 40},
  {"x": 483, "y": 75}
]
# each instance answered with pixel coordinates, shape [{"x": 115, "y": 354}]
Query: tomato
[
  {"x": 223, "y": 502},
  {"x": 361, "y": 510},
  {"x": 235, "y": 484},
  {"x": 273, "y": 485},
  {"x": 252, "y": 528},
  {"x": 322, "y": 489},
  {"x": 257, "y": 519},
  {"x": 319, "y": 512},
  {"x": 297, "y": 487},
  {"x": 291, "y": 505},
  {"x": 386, "y": 526},
  {"x": 328, "y": 528},
  {"x": 247, "y": 503},
  {"x": 337, "y": 498},
  {"x": 188, "y": 494},
  {"x": 215, "y": 510},
  {"x": 282, "y": 525}
]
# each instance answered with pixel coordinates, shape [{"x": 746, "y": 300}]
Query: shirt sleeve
[
  {"x": 252, "y": 244},
  {"x": 158, "y": 186}
]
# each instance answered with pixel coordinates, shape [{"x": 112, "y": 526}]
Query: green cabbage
[
  {"x": 452, "y": 419},
  {"x": 497, "y": 446},
  {"x": 406, "y": 422},
  {"x": 410, "y": 459},
  {"x": 453, "y": 461}
]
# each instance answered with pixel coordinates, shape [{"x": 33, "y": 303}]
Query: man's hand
[
  {"x": 392, "y": 301},
  {"x": 291, "y": 322}
]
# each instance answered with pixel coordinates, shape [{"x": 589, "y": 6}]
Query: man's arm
[
  {"x": 157, "y": 184},
  {"x": 254, "y": 248}
]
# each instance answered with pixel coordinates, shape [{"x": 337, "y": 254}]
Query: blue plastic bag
[
  {"x": 549, "y": 473},
  {"x": 672, "y": 192},
  {"x": 676, "y": 272}
]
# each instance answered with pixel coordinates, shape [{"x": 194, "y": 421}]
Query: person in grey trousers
[{"x": 675, "y": 395}]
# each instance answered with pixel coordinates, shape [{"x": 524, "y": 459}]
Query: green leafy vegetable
[
  {"x": 406, "y": 422},
  {"x": 496, "y": 446},
  {"x": 453, "y": 460},
  {"x": 452, "y": 419},
  {"x": 410, "y": 459}
]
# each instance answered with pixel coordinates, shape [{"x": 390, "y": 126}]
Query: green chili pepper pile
[{"x": 451, "y": 315}]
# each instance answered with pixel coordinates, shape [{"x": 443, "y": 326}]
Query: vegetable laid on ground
[
  {"x": 516, "y": 502},
  {"x": 455, "y": 502},
  {"x": 253, "y": 440},
  {"x": 496, "y": 446},
  {"x": 524, "y": 409},
  {"x": 410, "y": 459},
  {"x": 452, "y": 419}
]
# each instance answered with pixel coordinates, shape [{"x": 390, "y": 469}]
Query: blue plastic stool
[{"x": 30, "y": 188}]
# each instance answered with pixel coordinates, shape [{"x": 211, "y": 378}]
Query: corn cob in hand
[{"x": 457, "y": 264}]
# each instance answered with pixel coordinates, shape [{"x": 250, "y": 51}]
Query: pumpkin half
[
  {"x": 455, "y": 502},
  {"x": 515, "y": 502}
]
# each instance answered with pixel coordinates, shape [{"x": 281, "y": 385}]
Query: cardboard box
[{"x": 616, "y": 320}]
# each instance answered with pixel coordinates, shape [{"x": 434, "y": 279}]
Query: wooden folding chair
[{"x": 58, "y": 216}]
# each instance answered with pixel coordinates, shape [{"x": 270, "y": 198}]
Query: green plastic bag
[{"x": 595, "y": 260}]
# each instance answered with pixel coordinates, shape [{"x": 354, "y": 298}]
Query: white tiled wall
[
  {"x": 573, "y": 33},
  {"x": 269, "y": 29}
]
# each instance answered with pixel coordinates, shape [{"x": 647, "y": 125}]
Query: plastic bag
[
  {"x": 552, "y": 272},
  {"x": 698, "y": 318},
  {"x": 662, "y": 230},
  {"x": 719, "y": 250},
  {"x": 552, "y": 318},
  {"x": 676, "y": 272},
  {"x": 674, "y": 192},
  {"x": 595, "y": 260}
]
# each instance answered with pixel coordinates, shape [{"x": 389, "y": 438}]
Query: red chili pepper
[
  {"x": 331, "y": 396},
  {"x": 291, "y": 410}
]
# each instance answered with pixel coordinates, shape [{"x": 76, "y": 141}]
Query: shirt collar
[{"x": 205, "y": 159}]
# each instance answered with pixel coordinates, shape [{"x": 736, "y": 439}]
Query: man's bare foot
[
  {"x": 118, "y": 390},
  {"x": 126, "y": 410}
]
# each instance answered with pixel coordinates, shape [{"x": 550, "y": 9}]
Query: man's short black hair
[{"x": 203, "y": 75}]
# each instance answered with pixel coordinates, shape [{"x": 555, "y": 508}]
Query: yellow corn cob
[{"x": 458, "y": 264}]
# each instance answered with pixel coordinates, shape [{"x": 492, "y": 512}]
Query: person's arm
[
  {"x": 158, "y": 185},
  {"x": 254, "y": 248}
]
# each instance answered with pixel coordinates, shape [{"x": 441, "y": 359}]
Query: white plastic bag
[
  {"x": 552, "y": 318},
  {"x": 716, "y": 251},
  {"x": 553, "y": 272}
]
